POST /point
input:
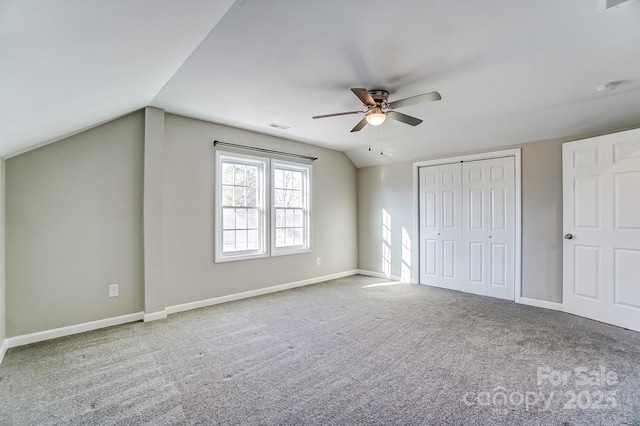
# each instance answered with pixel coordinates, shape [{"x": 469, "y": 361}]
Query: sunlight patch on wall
[
  {"x": 405, "y": 267},
  {"x": 386, "y": 243}
]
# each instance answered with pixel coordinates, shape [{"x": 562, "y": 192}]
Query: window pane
[
  {"x": 278, "y": 179},
  {"x": 297, "y": 181},
  {"x": 240, "y": 175},
  {"x": 252, "y": 218},
  {"x": 289, "y": 220},
  {"x": 280, "y": 238},
  {"x": 241, "y": 240},
  {"x": 241, "y": 218},
  {"x": 240, "y": 198},
  {"x": 227, "y": 195},
  {"x": 295, "y": 199},
  {"x": 288, "y": 179},
  {"x": 229, "y": 241},
  {"x": 298, "y": 217},
  {"x": 279, "y": 198},
  {"x": 252, "y": 176},
  {"x": 279, "y": 218},
  {"x": 228, "y": 218},
  {"x": 289, "y": 236},
  {"x": 251, "y": 197},
  {"x": 298, "y": 236},
  {"x": 252, "y": 239},
  {"x": 284, "y": 198},
  {"x": 227, "y": 173}
]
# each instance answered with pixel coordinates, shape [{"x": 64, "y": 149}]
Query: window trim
[
  {"x": 263, "y": 250},
  {"x": 307, "y": 169}
]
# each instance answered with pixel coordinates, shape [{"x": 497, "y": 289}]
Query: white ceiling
[{"x": 508, "y": 71}]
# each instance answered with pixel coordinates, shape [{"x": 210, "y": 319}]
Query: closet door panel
[
  {"x": 474, "y": 213},
  {"x": 488, "y": 189},
  {"x": 440, "y": 225}
]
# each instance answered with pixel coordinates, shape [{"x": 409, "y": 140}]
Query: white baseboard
[
  {"x": 252, "y": 293},
  {"x": 378, "y": 275},
  {"x": 540, "y": 303},
  {"x": 39, "y": 336},
  {"x": 3, "y": 349},
  {"x": 153, "y": 316}
]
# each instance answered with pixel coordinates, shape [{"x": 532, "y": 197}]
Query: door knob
[{"x": 568, "y": 236}]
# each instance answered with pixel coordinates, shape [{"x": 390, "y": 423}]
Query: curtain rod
[{"x": 267, "y": 151}]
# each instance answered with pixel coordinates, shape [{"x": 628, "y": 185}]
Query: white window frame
[
  {"x": 263, "y": 178},
  {"x": 267, "y": 230},
  {"x": 306, "y": 169}
]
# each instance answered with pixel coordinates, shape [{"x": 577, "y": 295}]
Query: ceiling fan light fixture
[{"x": 376, "y": 117}]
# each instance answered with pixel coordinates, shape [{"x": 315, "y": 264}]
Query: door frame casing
[{"x": 516, "y": 154}]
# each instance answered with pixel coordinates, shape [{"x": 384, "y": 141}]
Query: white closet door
[
  {"x": 601, "y": 205},
  {"x": 440, "y": 219},
  {"x": 488, "y": 228}
]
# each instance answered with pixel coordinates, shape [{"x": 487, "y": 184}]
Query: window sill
[
  {"x": 226, "y": 259},
  {"x": 286, "y": 252}
]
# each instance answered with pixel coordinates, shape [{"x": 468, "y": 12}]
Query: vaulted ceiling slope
[{"x": 508, "y": 71}]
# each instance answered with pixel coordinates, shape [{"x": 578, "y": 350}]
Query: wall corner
[{"x": 154, "y": 292}]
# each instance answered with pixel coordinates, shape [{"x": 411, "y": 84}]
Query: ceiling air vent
[
  {"x": 278, "y": 126},
  {"x": 608, "y": 4}
]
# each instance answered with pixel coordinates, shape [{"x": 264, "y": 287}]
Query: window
[
  {"x": 261, "y": 204},
  {"x": 241, "y": 208},
  {"x": 290, "y": 229}
]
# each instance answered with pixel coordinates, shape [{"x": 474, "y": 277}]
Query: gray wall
[
  {"x": 189, "y": 271},
  {"x": 542, "y": 220},
  {"x": 74, "y": 226},
  {"x": 75, "y": 222},
  {"x": 390, "y": 187}
]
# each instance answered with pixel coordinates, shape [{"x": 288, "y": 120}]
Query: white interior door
[
  {"x": 488, "y": 228},
  {"x": 440, "y": 219},
  {"x": 601, "y": 220}
]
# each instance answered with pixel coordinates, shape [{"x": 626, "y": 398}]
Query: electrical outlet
[
  {"x": 113, "y": 290},
  {"x": 317, "y": 261}
]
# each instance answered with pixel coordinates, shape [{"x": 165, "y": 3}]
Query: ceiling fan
[{"x": 378, "y": 107}]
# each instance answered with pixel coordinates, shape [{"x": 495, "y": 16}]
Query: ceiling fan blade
[
  {"x": 404, "y": 118},
  {"x": 337, "y": 114},
  {"x": 425, "y": 97},
  {"x": 364, "y": 96},
  {"x": 360, "y": 125}
]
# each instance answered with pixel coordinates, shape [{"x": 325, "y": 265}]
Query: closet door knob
[{"x": 568, "y": 236}]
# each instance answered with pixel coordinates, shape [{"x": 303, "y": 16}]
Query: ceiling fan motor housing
[{"x": 379, "y": 96}]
